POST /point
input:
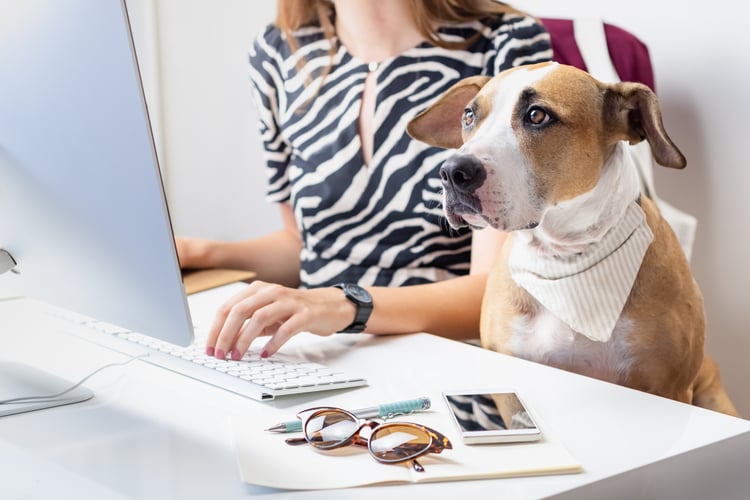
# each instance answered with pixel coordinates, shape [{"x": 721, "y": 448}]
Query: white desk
[{"x": 150, "y": 433}]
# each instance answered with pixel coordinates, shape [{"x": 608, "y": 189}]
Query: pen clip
[{"x": 408, "y": 407}]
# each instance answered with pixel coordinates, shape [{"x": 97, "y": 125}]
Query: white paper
[{"x": 266, "y": 460}]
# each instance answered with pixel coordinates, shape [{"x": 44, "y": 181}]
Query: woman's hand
[{"x": 279, "y": 312}]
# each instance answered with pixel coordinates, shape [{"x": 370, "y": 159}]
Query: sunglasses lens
[
  {"x": 330, "y": 428},
  {"x": 397, "y": 442}
]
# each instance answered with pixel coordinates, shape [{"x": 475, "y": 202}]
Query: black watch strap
[{"x": 363, "y": 300}]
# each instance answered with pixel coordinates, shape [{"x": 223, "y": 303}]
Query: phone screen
[{"x": 489, "y": 416}]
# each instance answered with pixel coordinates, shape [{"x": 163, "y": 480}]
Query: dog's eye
[
  {"x": 537, "y": 116},
  {"x": 469, "y": 117}
]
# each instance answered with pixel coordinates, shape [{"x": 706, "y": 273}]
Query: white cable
[{"x": 52, "y": 397}]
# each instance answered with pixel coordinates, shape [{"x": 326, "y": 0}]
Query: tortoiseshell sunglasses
[{"x": 327, "y": 428}]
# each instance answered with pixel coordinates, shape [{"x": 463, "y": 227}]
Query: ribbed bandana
[{"x": 588, "y": 291}]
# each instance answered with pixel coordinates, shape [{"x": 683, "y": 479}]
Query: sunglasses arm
[{"x": 295, "y": 441}]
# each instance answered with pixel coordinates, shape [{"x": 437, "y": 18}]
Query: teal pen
[{"x": 387, "y": 410}]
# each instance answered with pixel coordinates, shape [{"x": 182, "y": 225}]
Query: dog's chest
[{"x": 543, "y": 338}]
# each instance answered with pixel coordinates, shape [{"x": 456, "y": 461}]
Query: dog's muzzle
[{"x": 461, "y": 176}]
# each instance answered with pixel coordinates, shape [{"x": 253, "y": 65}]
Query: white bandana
[{"x": 588, "y": 291}]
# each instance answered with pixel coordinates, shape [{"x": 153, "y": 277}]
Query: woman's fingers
[
  {"x": 266, "y": 320},
  {"x": 228, "y": 309}
]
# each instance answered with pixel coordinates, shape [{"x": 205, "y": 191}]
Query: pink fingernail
[
  {"x": 220, "y": 354},
  {"x": 236, "y": 355},
  {"x": 264, "y": 354},
  {"x": 209, "y": 351}
]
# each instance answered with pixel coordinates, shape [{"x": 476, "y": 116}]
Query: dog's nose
[{"x": 462, "y": 173}]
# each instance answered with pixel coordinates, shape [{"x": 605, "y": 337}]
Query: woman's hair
[{"x": 426, "y": 14}]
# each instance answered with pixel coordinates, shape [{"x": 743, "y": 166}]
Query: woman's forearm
[
  {"x": 449, "y": 308},
  {"x": 273, "y": 257}
]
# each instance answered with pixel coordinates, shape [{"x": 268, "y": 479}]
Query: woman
[{"x": 335, "y": 85}]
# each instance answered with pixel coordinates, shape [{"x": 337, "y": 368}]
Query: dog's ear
[
  {"x": 637, "y": 111},
  {"x": 440, "y": 124}
]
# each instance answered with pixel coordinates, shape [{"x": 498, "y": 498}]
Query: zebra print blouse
[{"x": 377, "y": 224}]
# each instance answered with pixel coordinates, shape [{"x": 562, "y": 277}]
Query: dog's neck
[
  {"x": 570, "y": 226},
  {"x": 581, "y": 262}
]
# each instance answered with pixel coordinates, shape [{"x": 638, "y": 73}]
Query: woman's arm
[
  {"x": 449, "y": 308},
  {"x": 273, "y": 257}
]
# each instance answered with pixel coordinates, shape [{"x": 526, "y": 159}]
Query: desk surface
[{"x": 151, "y": 433}]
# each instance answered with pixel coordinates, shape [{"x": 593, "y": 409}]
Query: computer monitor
[{"x": 83, "y": 215}]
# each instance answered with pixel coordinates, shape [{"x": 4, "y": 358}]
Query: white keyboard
[{"x": 258, "y": 378}]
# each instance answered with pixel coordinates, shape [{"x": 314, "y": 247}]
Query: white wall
[
  {"x": 197, "y": 83},
  {"x": 211, "y": 152}
]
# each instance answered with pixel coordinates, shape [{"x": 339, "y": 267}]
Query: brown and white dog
[{"x": 591, "y": 278}]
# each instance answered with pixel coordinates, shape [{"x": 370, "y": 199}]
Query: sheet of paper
[{"x": 266, "y": 460}]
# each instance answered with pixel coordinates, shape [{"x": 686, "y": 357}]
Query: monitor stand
[
  {"x": 22, "y": 381},
  {"x": 7, "y": 262}
]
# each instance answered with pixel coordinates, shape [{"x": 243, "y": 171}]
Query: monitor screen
[{"x": 83, "y": 217}]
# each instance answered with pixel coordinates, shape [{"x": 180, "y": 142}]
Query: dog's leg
[{"x": 709, "y": 392}]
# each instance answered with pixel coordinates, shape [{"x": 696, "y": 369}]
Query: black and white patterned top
[{"x": 377, "y": 224}]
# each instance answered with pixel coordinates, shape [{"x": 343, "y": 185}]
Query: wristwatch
[{"x": 363, "y": 300}]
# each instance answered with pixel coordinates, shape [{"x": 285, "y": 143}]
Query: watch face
[{"x": 359, "y": 293}]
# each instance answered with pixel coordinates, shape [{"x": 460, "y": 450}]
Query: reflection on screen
[{"x": 481, "y": 412}]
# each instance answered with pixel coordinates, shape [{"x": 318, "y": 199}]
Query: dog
[{"x": 590, "y": 279}]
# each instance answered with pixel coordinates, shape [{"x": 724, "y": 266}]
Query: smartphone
[{"x": 491, "y": 417}]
